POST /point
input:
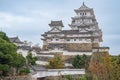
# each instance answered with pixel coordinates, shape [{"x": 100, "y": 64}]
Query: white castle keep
[{"x": 84, "y": 37}]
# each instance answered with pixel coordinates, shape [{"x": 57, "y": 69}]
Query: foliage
[
  {"x": 79, "y": 61},
  {"x": 8, "y": 55},
  {"x": 4, "y": 68},
  {"x": 100, "y": 66},
  {"x": 24, "y": 70},
  {"x": 83, "y": 78},
  {"x": 30, "y": 59},
  {"x": 56, "y": 63},
  {"x": 116, "y": 67},
  {"x": 68, "y": 77},
  {"x": 18, "y": 61},
  {"x": 4, "y": 36}
]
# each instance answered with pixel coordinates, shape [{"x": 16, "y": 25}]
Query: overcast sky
[{"x": 28, "y": 19}]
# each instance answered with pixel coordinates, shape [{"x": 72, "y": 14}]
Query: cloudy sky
[{"x": 28, "y": 19}]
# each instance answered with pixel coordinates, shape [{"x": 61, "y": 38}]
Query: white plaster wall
[
  {"x": 101, "y": 50},
  {"x": 95, "y": 50},
  {"x": 79, "y": 35},
  {"x": 41, "y": 62},
  {"x": 88, "y": 14},
  {"x": 25, "y": 52},
  {"x": 56, "y": 50},
  {"x": 44, "y": 52},
  {"x": 58, "y": 72},
  {"x": 76, "y": 53},
  {"x": 45, "y": 55},
  {"x": 68, "y": 53},
  {"x": 34, "y": 53},
  {"x": 68, "y": 64},
  {"x": 45, "y": 62},
  {"x": 71, "y": 41}
]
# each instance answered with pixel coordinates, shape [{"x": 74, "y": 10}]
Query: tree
[
  {"x": 55, "y": 63},
  {"x": 100, "y": 66},
  {"x": 8, "y": 55},
  {"x": 18, "y": 62},
  {"x": 4, "y": 36},
  {"x": 69, "y": 77},
  {"x": 6, "y": 51},
  {"x": 83, "y": 78},
  {"x": 4, "y": 68},
  {"x": 116, "y": 67},
  {"x": 30, "y": 59},
  {"x": 79, "y": 61}
]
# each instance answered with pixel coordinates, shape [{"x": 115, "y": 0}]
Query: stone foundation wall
[
  {"x": 95, "y": 45},
  {"x": 79, "y": 47},
  {"x": 73, "y": 46},
  {"x": 45, "y": 47},
  {"x": 67, "y": 59}
]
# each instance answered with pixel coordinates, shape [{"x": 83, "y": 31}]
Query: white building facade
[{"x": 83, "y": 38}]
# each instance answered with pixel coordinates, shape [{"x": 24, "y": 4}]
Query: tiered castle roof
[
  {"x": 56, "y": 23},
  {"x": 83, "y": 35}
]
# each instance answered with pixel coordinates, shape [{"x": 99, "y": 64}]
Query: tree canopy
[
  {"x": 55, "y": 63},
  {"x": 116, "y": 67},
  {"x": 8, "y": 55},
  {"x": 100, "y": 66},
  {"x": 30, "y": 59},
  {"x": 79, "y": 61}
]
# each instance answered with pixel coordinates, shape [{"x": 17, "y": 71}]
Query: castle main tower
[{"x": 84, "y": 37}]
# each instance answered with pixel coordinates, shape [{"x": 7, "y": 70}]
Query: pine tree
[{"x": 55, "y": 63}]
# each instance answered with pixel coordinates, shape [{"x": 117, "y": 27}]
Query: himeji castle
[{"x": 84, "y": 37}]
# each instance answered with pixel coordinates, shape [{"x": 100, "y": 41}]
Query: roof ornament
[
  {"x": 83, "y": 3},
  {"x": 1, "y": 29}
]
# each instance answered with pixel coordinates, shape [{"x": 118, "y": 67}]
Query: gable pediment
[{"x": 55, "y": 30}]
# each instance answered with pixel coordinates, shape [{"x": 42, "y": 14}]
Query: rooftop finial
[
  {"x": 83, "y": 3},
  {"x": 1, "y": 29}
]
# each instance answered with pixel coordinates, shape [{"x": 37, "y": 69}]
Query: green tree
[
  {"x": 8, "y": 55},
  {"x": 4, "y": 36},
  {"x": 4, "y": 68},
  {"x": 30, "y": 59},
  {"x": 68, "y": 77},
  {"x": 83, "y": 78},
  {"x": 79, "y": 61},
  {"x": 18, "y": 62},
  {"x": 6, "y": 51},
  {"x": 55, "y": 63},
  {"x": 24, "y": 71}
]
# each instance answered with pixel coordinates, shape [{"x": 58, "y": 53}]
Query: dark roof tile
[
  {"x": 15, "y": 40},
  {"x": 56, "y": 23}
]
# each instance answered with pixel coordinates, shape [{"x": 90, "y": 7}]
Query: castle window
[
  {"x": 57, "y": 39},
  {"x": 80, "y": 13},
  {"x": 85, "y": 13},
  {"x": 73, "y": 21},
  {"x": 74, "y": 39},
  {"x": 68, "y": 39}
]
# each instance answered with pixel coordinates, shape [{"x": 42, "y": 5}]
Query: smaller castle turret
[{"x": 56, "y": 26}]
